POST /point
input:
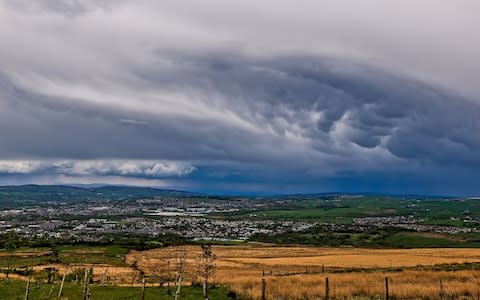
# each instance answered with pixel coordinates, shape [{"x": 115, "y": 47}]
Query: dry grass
[
  {"x": 110, "y": 274},
  {"x": 403, "y": 285},
  {"x": 240, "y": 268},
  {"x": 296, "y": 272},
  {"x": 297, "y": 259}
]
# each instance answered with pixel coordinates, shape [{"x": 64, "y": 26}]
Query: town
[{"x": 206, "y": 218}]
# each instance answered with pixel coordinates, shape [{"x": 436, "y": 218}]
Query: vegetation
[
  {"x": 111, "y": 241},
  {"x": 206, "y": 267},
  {"x": 293, "y": 272},
  {"x": 68, "y": 254},
  {"x": 434, "y": 210},
  {"x": 15, "y": 290},
  {"x": 361, "y": 285},
  {"x": 386, "y": 238}
]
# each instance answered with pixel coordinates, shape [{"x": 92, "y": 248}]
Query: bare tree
[
  {"x": 206, "y": 267},
  {"x": 180, "y": 257},
  {"x": 170, "y": 259},
  {"x": 54, "y": 254},
  {"x": 11, "y": 245}
]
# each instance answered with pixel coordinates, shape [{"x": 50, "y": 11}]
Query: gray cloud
[
  {"x": 108, "y": 85},
  {"x": 63, "y": 7},
  {"x": 299, "y": 105}
]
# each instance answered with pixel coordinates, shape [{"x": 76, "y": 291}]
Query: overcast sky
[{"x": 244, "y": 96}]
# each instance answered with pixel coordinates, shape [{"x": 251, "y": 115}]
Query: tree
[
  {"x": 54, "y": 254},
  {"x": 206, "y": 267},
  {"x": 11, "y": 245}
]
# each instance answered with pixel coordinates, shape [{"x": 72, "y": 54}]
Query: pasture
[{"x": 299, "y": 272}]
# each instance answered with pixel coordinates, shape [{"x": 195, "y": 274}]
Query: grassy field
[
  {"x": 425, "y": 239},
  {"x": 341, "y": 210},
  {"x": 388, "y": 238},
  {"x": 292, "y": 272},
  {"x": 361, "y": 285},
  {"x": 111, "y": 255},
  {"x": 15, "y": 290},
  {"x": 29, "y": 257},
  {"x": 299, "y": 272},
  {"x": 286, "y": 259}
]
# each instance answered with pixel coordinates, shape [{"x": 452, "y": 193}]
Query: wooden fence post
[
  {"x": 61, "y": 285},
  {"x": 51, "y": 291},
  {"x": 387, "y": 293},
  {"x": 327, "y": 289},
  {"x": 142, "y": 294},
  {"x": 264, "y": 286},
  {"x": 442, "y": 291},
  {"x": 27, "y": 289},
  {"x": 85, "y": 285}
]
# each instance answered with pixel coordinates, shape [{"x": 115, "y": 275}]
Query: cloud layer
[
  {"x": 247, "y": 97},
  {"x": 97, "y": 167}
]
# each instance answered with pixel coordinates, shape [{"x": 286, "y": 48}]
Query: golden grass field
[{"x": 296, "y": 272}]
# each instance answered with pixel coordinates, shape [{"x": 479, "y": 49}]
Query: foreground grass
[
  {"x": 15, "y": 290},
  {"x": 425, "y": 285}
]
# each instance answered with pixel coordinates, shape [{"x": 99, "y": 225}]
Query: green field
[
  {"x": 372, "y": 239},
  {"x": 451, "y": 212},
  {"x": 68, "y": 254},
  {"x": 15, "y": 290},
  {"x": 342, "y": 215},
  {"x": 425, "y": 240},
  {"x": 112, "y": 254}
]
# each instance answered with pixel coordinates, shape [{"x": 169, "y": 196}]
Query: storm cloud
[{"x": 229, "y": 98}]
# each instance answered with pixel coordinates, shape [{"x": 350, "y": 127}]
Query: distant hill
[
  {"x": 32, "y": 193},
  {"x": 333, "y": 195},
  {"x": 70, "y": 193}
]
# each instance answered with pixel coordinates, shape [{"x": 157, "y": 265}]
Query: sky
[{"x": 249, "y": 96}]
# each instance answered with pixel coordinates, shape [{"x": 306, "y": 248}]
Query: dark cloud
[
  {"x": 279, "y": 113},
  {"x": 118, "y": 96}
]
